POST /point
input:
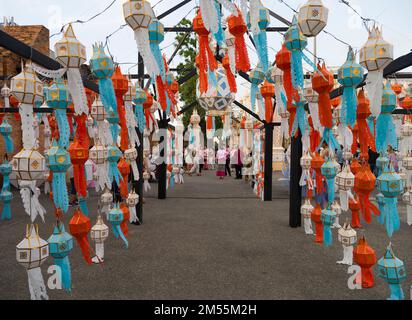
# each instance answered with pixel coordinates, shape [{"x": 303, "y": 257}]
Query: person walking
[
  {"x": 228, "y": 170},
  {"x": 238, "y": 163},
  {"x": 221, "y": 163}
]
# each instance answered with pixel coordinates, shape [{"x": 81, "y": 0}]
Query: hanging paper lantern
[
  {"x": 296, "y": 42},
  {"x": 347, "y": 237},
  {"x": 256, "y": 76},
  {"x": 306, "y": 211},
  {"x": 99, "y": 234},
  {"x": 106, "y": 199},
  {"x": 355, "y": 166},
  {"x": 229, "y": 74},
  {"x": 350, "y": 76},
  {"x": 5, "y": 92},
  {"x": 113, "y": 158},
  {"x": 28, "y": 167},
  {"x": 328, "y": 219},
  {"x": 139, "y": 100},
  {"x": 6, "y": 196},
  {"x": 267, "y": 91},
  {"x": 124, "y": 169},
  {"x": 385, "y": 128},
  {"x": 58, "y": 161},
  {"x": 99, "y": 114},
  {"x": 317, "y": 163},
  {"x": 335, "y": 207},
  {"x": 60, "y": 246},
  {"x": 345, "y": 180},
  {"x": 80, "y": 227},
  {"x": 132, "y": 201},
  {"x": 365, "y": 182},
  {"x": 31, "y": 253},
  {"x": 72, "y": 54},
  {"x": 121, "y": 86},
  {"x": 365, "y": 257},
  {"x": 355, "y": 207},
  {"x": 375, "y": 55},
  {"x": 207, "y": 61},
  {"x": 102, "y": 67},
  {"x": 306, "y": 179},
  {"x": 392, "y": 270},
  {"x": 312, "y": 98},
  {"x": 259, "y": 21},
  {"x": 316, "y": 217},
  {"x": 329, "y": 170},
  {"x": 57, "y": 97},
  {"x": 116, "y": 217},
  {"x": 99, "y": 155},
  {"x": 138, "y": 15},
  {"x": 131, "y": 157},
  {"x": 218, "y": 99},
  {"x": 391, "y": 186},
  {"x": 79, "y": 155},
  {"x": 312, "y": 18},
  {"x": 6, "y": 130},
  {"x": 366, "y": 138},
  {"x": 238, "y": 28}
]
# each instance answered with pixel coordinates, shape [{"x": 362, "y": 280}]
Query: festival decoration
[
  {"x": 106, "y": 200},
  {"x": 99, "y": 234},
  {"x": 80, "y": 227},
  {"x": 237, "y": 27},
  {"x": 116, "y": 217},
  {"x": 99, "y": 114},
  {"x": 124, "y": 169},
  {"x": 391, "y": 186},
  {"x": 328, "y": 218},
  {"x": 385, "y": 128},
  {"x": 350, "y": 76},
  {"x": 6, "y": 196},
  {"x": 99, "y": 155},
  {"x": 347, "y": 237},
  {"x": 306, "y": 179},
  {"x": 6, "y": 130},
  {"x": 312, "y": 98},
  {"x": 60, "y": 246},
  {"x": 366, "y": 139},
  {"x": 72, "y": 54},
  {"x": 345, "y": 181},
  {"x": 5, "y": 92},
  {"x": 259, "y": 21},
  {"x": 58, "y": 161},
  {"x": 212, "y": 19},
  {"x": 31, "y": 252},
  {"x": 306, "y": 211},
  {"x": 375, "y": 55},
  {"x": 132, "y": 201},
  {"x": 355, "y": 207},
  {"x": 316, "y": 217},
  {"x": 138, "y": 14},
  {"x": 335, "y": 207},
  {"x": 392, "y": 270},
  {"x": 365, "y": 257},
  {"x": 121, "y": 86},
  {"x": 312, "y": 17},
  {"x": 317, "y": 163},
  {"x": 267, "y": 91},
  {"x": 113, "y": 158}
]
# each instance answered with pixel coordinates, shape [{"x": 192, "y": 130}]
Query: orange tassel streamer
[
  {"x": 237, "y": 27},
  {"x": 316, "y": 218},
  {"x": 323, "y": 86},
  {"x": 314, "y": 136},
  {"x": 80, "y": 227},
  {"x": 365, "y": 136},
  {"x": 121, "y": 85},
  {"x": 79, "y": 155},
  {"x": 124, "y": 169},
  {"x": 316, "y": 164},
  {"x": 230, "y": 76},
  {"x": 161, "y": 93},
  {"x": 354, "y": 206},
  {"x": 355, "y": 134},
  {"x": 126, "y": 217},
  {"x": 268, "y": 92},
  {"x": 365, "y": 182}
]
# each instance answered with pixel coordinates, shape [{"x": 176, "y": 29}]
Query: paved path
[{"x": 210, "y": 239}]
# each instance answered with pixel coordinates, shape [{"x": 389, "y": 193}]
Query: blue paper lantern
[
  {"x": 256, "y": 77},
  {"x": 6, "y": 196},
  {"x": 57, "y": 97},
  {"x": 115, "y": 218},
  {"x": 60, "y": 246},
  {"x": 392, "y": 270},
  {"x": 139, "y": 111},
  {"x": 328, "y": 218},
  {"x": 156, "y": 36},
  {"x": 6, "y": 130},
  {"x": 113, "y": 158},
  {"x": 391, "y": 185},
  {"x": 350, "y": 75},
  {"x": 329, "y": 170},
  {"x": 385, "y": 128},
  {"x": 58, "y": 161}
]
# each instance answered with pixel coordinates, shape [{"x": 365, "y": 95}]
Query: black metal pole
[
  {"x": 162, "y": 167},
  {"x": 268, "y": 161},
  {"x": 295, "y": 198},
  {"x": 138, "y": 185}
]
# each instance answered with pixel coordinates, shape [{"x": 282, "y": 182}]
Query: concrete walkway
[{"x": 210, "y": 239}]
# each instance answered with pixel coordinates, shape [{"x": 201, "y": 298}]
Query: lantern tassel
[
  {"x": 77, "y": 92},
  {"x": 331, "y": 190},
  {"x": 327, "y": 236},
  {"x": 114, "y": 173},
  {"x": 300, "y": 122},
  {"x": 347, "y": 256},
  {"x": 66, "y": 278},
  {"x": 117, "y": 231},
  {"x": 6, "y": 213},
  {"x": 60, "y": 195},
  {"x": 8, "y": 142},
  {"x": 409, "y": 217},
  {"x": 242, "y": 56},
  {"x": 330, "y": 139},
  {"x": 219, "y": 35},
  {"x": 36, "y": 285},
  {"x": 367, "y": 207},
  {"x": 83, "y": 206},
  {"x": 297, "y": 69},
  {"x": 374, "y": 87},
  {"x": 64, "y": 128},
  {"x": 385, "y": 133},
  {"x": 107, "y": 94},
  {"x": 349, "y": 106},
  {"x": 84, "y": 245},
  {"x": 390, "y": 215},
  {"x": 141, "y": 119},
  {"x": 396, "y": 292},
  {"x": 367, "y": 278},
  {"x": 319, "y": 232}
]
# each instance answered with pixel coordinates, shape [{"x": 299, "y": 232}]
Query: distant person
[{"x": 221, "y": 163}]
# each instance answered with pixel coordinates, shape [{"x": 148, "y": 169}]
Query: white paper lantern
[
  {"x": 312, "y": 18},
  {"x": 29, "y": 165},
  {"x": 345, "y": 179},
  {"x": 99, "y": 232},
  {"x": 98, "y": 111},
  {"x": 376, "y": 53},
  {"x": 98, "y": 154},
  {"x": 138, "y": 13},
  {"x": 26, "y": 86},
  {"x": 347, "y": 235},
  {"x": 305, "y": 161},
  {"x": 306, "y": 209},
  {"x": 69, "y": 51}
]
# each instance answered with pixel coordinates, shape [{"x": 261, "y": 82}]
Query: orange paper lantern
[
  {"x": 316, "y": 217},
  {"x": 238, "y": 28},
  {"x": 365, "y": 257},
  {"x": 323, "y": 85},
  {"x": 80, "y": 227},
  {"x": 365, "y": 182}
]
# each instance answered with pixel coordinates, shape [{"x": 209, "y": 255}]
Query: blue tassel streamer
[
  {"x": 169, "y": 104},
  {"x": 331, "y": 190},
  {"x": 157, "y": 54},
  {"x": 117, "y": 232},
  {"x": 172, "y": 180},
  {"x": 220, "y": 34},
  {"x": 385, "y": 133},
  {"x": 349, "y": 105},
  {"x": 371, "y": 124},
  {"x": 114, "y": 174},
  {"x": 301, "y": 121},
  {"x": 6, "y": 213},
  {"x": 60, "y": 195},
  {"x": 140, "y": 118},
  {"x": 330, "y": 139},
  {"x": 327, "y": 236},
  {"x": 396, "y": 292},
  {"x": 66, "y": 277},
  {"x": 114, "y": 129},
  {"x": 83, "y": 206},
  {"x": 297, "y": 69},
  {"x": 64, "y": 128},
  {"x": 261, "y": 43},
  {"x": 253, "y": 95},
  {"x": 8, "y": 142},
  {"x": 108, "y": 95},
  {"x": 390, "y": 215}
]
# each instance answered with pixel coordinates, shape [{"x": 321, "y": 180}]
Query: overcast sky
[{"x": 395, "y": 17}]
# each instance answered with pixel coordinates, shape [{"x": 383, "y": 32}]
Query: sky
[{"x": 394, "y": 16}]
